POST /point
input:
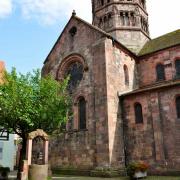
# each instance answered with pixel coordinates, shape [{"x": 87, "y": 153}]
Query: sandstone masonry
[{"x": 114, "y": 66}]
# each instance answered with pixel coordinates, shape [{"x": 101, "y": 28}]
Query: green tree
[{"x": 29, "y": 102}]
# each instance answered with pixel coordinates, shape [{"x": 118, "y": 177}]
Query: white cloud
[
  {"x": 51, "y": 11},
  {"x": 5, "y": 8},
  {"x": 163, "y": 16}
]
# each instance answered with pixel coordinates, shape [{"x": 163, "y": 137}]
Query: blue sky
[
  {"x": 29, "y": 28},
  {"x": 25, "y": 44}
]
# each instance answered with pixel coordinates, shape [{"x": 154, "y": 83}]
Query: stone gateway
[{"x": 125, "y": 89}]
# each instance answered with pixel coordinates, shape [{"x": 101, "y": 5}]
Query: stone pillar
[
  {"x": 157, "y": 127},
  {"x": 46, "y": 143},
  {"x": 29, "y": 151}
]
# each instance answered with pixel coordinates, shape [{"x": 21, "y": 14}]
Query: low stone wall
[{"x": 72, "y": 150}]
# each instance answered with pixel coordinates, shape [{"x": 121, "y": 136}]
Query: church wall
[
  {"x": 147, "y": 65},
  {"x": 116, "y": 59},
  {"x": 111, "y": 138},
  {"x": 82, "y": 149},
  {"x": 67, "y": 45},
  {"x": 134, "y": 40},
  {"x": 156, "y": 141},
  {"x": 138, "y": 137}
]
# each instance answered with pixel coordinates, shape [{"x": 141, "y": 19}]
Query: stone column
[
  {"x": 157, "y": 127},
  {"x": 46, "y": 144},
  {"x": 29, "y": 151}
]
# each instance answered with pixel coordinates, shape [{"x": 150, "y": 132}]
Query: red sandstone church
[{"x": 125, "y": 88}]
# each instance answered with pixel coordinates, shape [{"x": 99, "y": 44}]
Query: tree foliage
[{"x": 29, "y": 102}]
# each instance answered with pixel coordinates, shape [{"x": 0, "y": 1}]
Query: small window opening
[{"x": 73, "y": 31}]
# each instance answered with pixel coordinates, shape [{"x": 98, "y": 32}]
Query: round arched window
[{"x": 75, "y": 71}]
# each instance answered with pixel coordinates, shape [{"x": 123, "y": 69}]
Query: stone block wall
[
  {"x": 148, "y": 64},
  {"x": 156, "y": 141},
  {"x": 72, "y": 150},
  {"x": 116, "y": 59},
  {"x": 87, "y": 148}
]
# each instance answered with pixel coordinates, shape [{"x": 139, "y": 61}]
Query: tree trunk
[{"x": 22, "y": 157}]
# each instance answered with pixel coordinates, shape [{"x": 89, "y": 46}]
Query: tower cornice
[{"x": 129, "y": 29}]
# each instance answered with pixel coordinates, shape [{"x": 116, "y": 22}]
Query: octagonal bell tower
[{"x": 125, "y": 20}]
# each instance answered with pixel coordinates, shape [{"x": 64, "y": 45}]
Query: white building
[{"x": 8, "y": 152}]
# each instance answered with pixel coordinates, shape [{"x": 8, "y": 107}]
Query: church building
[{"x": 125, "y": 89}]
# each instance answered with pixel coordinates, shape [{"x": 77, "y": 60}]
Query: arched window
[
  {"x": 109, "y": 20},
  {"x": 82, "y": 113},
  {"x": 177, "y": 66},
  {"x": 105, "y": 21},
  {"x": 126, "y": 75},
  {"x": 75, "y": 71},
  {"x": 122, "y": 19},
  {"x": 178, "y": 106},
  {"x": 100, "y": 22},
  {"x": 133, "y": 20},
  {"x": 73, "y": 31},
  {"x": 102, "y": 2},
  {"x": 142, "y": 2},
  {"x": 160, "y": 72},
  {"x": 127, "y": 22},
  {"x": 138, "y": 113}
]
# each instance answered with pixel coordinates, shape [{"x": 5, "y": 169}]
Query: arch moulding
[{"x": 67, "y": 61}]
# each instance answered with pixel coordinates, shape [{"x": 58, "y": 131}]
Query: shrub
[
  {"x": 4, "y": 171},
  {"x": 135, "y": 167}
]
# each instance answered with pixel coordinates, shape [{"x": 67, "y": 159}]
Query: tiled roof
[{"x": 160, "y": 43}]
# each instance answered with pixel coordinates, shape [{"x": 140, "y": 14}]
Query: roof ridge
[
  {"x": 169, "y": 33},
  {"x": 105, "y": 33},
  {"x": 168, "y": 40},
  {"x": 94, "y": 27}
]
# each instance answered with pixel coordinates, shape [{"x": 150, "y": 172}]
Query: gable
[
  {"x": 86, "y": 34},
  {"x": 70, "y": 41}
]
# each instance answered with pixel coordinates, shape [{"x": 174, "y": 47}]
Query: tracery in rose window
[{"x": 75, "y": 71}]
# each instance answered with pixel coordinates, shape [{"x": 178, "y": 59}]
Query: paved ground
[
  {"x": 88, "y": 178},
  {"x": 85, "y": 178},
  {"x": 13, "y": 175},
  {"x": 123, "y": 178}
]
